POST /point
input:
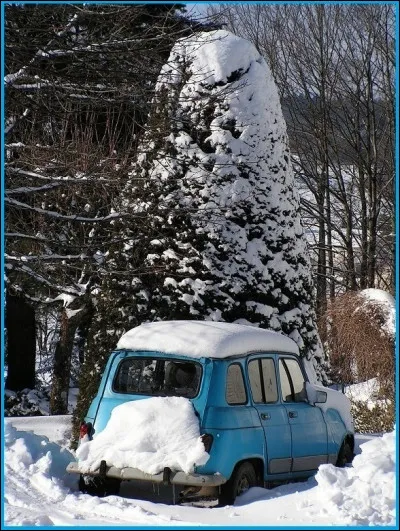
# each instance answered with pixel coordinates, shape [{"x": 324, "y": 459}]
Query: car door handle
[
  {"x": 292, "y": 414},
  {"x": 265, "y": 416}
]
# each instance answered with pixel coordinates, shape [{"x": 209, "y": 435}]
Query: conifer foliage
[{"x": 224, "y": 239}]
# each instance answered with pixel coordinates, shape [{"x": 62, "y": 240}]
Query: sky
[{"x": 197, "y": 8}]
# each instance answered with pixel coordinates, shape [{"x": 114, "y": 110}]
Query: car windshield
[{"x": 157, "y": 377}]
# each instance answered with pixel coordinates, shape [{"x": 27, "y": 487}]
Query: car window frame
[
  {"x": 293, "y": 358},
  {"x": 259, "y": 358},
  {"x": 150, "y": 356},
  {"x": 244, "y": 385}
]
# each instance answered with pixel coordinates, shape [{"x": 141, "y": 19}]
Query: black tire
[
  {"x": 96, "y": 486},
  {"x": 243, "y": 478},
  {"x": 345, "y": 455}
]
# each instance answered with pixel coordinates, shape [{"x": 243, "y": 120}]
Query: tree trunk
[
  {"x": 373, "y": 206},
  {"x": 321, "y": 283},
  {"x": 62, "y": 357},
  {"x": 364, "y": 231},
  {"x": 351, "y": 281},
  {"x": 21, "y": 344}
]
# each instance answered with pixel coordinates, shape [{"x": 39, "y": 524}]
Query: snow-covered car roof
[{"x": 204, "y": 339}]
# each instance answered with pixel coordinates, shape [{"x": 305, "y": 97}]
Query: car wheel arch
[
  {"x": 346, "y": 451},
  {"x": 258, "y": 465},
  {"x": 247, "y": 470}
]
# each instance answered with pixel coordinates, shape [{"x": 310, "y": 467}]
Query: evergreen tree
[
  {"x": 232, "y": 247},
  {"x": 223, "y": 238}
]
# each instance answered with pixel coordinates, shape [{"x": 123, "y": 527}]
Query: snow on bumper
[{"x": 175, "y": 478}]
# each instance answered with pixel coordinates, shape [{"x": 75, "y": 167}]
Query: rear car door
[
  {"x": 272, "y": 414},
  {"x": 307, "y": 425}
]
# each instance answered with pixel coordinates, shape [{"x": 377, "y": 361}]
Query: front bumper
[{"x": 170, "y": 478}]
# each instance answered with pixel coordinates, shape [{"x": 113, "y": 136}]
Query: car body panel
[
  {"x": 230, "y": 446},
  {"x": 278, "y": 438},
  {"x": 307, "y": 424},
  {"x": 336, "y": 429}
]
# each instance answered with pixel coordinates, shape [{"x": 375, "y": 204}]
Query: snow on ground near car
[
  {"x": 364, "y": 493},
  {"x": 365, "y": 392},
  {"x": 38, "y": 492},
  {"x": 204, "y": 338},
  {"x": 149, "y": 435}
]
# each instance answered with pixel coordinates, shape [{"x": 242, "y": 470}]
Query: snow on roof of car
[{"x": 204, "y": 339}]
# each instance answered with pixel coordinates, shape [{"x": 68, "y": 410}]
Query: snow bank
[
  {"x": 30, "y": 455},
  {"x": 38, "y": 492},
  {"x": 363, "y": 494},
  {"x": 365, "y": 392},
  {"x": 148, "y": 434},
  {"x": 204, "y": 338}
]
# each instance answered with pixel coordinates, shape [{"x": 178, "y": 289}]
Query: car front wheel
[
  {"x": 345, "y": 455},
  {"x": 243, "y": 478}
]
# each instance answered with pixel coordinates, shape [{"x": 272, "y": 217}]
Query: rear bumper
[{"x": 174, "y": 478}]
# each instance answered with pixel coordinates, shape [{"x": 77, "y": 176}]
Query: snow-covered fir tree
[
  {"x": 218, "y": 234},
  {"x": 225, "y": 239}
]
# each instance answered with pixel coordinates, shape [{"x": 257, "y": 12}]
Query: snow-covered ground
[{"x": 38, "y": 492}]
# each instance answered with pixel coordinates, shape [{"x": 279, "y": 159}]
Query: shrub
[
  {"x": 360, "y": 341},
  {"x": 376, "y": 419},
  {"x": 26, "y": 403}
]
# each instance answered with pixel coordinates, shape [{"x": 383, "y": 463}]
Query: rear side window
[
  {"x": 255, "y": 381},
  {"x": 235, "y": 392},
  {"x": 269, "y": 378},
  {"x": 157, "y": 377},
  {"x": 293, "y": 385},
  {"x": 263, "y": 380}
]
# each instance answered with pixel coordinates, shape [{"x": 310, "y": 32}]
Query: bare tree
[
  {"x": 78, "y": 83},
  {"x": 334, "y": 66}
]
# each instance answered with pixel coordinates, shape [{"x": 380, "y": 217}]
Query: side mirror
[
  {"x": 321, "y": 397},
  {"x": 315, "y": 394}
]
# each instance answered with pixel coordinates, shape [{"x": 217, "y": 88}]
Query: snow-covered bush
[
  {"x": 26, "y": 403},
  {"x": 379, "y": 418}
]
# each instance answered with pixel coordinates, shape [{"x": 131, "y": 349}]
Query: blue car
[{"x": 260, "y": 419}]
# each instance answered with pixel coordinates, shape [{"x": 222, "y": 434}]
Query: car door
[
  {"x": 272, "y": 414},
  {"x": 307, "y": 424}
]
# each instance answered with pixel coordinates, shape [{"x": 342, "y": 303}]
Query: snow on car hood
[{"x": 147, "y": 434}]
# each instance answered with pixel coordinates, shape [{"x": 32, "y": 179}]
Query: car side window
[
  {"x": 263, "y": 380},
  {"x": 255, "y": 381},
  {"x": 269, "y": 377},
  {"x": 293, "y": 385},
  {"x": 157, "y": 377},
  {"x": 235, "y": 392}
]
